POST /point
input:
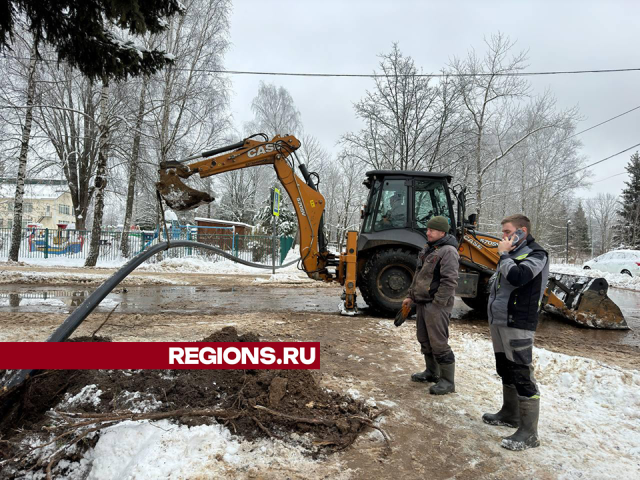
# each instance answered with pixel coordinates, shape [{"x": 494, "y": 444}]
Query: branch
[{"x": 502, "y": 155}]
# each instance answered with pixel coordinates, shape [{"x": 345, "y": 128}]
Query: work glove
[{"x": 402, "y": 315}]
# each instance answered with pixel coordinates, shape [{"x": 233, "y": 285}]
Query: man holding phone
[{"x": 516, "y": 290}]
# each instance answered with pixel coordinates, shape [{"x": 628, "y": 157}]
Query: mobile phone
[{"x": 515, "y": 238}]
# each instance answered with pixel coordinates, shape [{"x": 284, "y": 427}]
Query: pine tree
[
  {"x": 84, "y": 33},
  {"x": 629, "y": 230},
  {"x": 556, "y": 241},
  {"x": 287, "y": 222},
  {"x": 579, "y": 233}
]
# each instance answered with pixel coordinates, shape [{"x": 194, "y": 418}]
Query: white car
[{"x": 616, "y": 261}]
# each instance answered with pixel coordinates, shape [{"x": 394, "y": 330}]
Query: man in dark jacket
[
  {"x": 516, "y": 291},
  {"x": 433, "y": 290}
]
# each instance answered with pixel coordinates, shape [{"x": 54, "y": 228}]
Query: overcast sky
[{"x": 346, "y": 37}]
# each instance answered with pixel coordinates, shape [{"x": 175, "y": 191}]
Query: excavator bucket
[
  {"x": 175, "y": 192},
  {"x": 584, "y": 301}
]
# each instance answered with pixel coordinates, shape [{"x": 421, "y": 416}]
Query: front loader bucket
[
  {"x": 584, "y": 301},
  {"x": 175, "y": 192}
]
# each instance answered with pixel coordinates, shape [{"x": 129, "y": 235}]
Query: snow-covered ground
[
  {"x": 617, "y": 280},
  {"x": 589, "y": 427},
  {"x": 69, "y": 261},
  {"x": 289, "y": 274},
  {"x": 589, "y": 414}
]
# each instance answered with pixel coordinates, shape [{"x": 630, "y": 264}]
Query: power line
[
  {"x": 425, "y": 75},
  {"x": 607, "y": 178},
  {"x": 378, "y": 75},
  {"x": 596, "y": 163},
  {"x": 606, "y": 121}
]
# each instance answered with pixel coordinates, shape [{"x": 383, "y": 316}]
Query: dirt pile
[{"x": 284, "y": 404}]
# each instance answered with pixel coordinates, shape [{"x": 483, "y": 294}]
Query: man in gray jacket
[
  {"x": 433, "y": 290},
  {"x": 516, "y": 291}
]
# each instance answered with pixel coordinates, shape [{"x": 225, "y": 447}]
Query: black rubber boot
[
  {"x": 527, "y": 434},
  {"x": 446, "y": 384},
  {"x": 431, "y": 374},
  {"x": 509, "y": 414}
]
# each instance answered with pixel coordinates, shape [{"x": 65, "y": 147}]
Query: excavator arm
[{"x": 308, "y": 203}]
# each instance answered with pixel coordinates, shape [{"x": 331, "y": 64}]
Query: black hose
[{"x": 74, "y": 320}]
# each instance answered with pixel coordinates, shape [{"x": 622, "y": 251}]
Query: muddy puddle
[
  {"x": 211, "y": 300},
  {"x": 178, "y": 299}
]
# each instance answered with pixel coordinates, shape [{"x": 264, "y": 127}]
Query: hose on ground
[{"x": 74, "y": 320}]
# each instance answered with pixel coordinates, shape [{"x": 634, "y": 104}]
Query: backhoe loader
[{"x": 381, "y": 259}]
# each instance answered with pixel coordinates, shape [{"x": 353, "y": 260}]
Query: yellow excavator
[{"x": 380, "y": 260}]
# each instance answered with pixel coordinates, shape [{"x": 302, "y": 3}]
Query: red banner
[{"x": 159, "y": 355}]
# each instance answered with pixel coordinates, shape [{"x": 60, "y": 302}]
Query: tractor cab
[
  {"x": 405, "y": 200},
  {"x": 394, "y": 230}
]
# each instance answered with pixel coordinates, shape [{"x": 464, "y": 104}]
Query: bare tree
[
  {"x": 189, "y": 104},
  {"x": 245, "y": 190},
  {"x": 101, "y": 178},
  {"x": 350, "y": 195},
  {"x": 275, "y": 112},
  {"x": 407, "y": 120},
  {"x": 490, "y": 90},
  {"x": 133, "y": 169},
  {"x": 68, "y": 117},
  {"x": 16, "y": 232},
  {"x": 601, "y": 210}
]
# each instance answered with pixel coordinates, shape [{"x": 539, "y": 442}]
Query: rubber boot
[
  {"x": 527, "y": 434},
  {"x": 431, "y": 374},
  {"x": 446, "y": 384},
  {"x": 509, "y": 414}
]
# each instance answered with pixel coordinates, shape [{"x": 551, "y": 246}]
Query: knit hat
[{"x": 438, "y": 223}]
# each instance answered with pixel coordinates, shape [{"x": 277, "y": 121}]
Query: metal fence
[{"x": 45, "y": 244}]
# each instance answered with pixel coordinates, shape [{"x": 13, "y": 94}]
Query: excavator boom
[{"x": 307, "y": 202}]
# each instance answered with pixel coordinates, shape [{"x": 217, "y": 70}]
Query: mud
[
  {"x": 367, "y": 358},
  {"x": 269, "y": 298},
  {"x": 337, "y": 418}
]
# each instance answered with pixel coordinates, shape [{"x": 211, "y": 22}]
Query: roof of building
[
  {"x": 223, "y": 222},
  {"x": 33, "y": 191}
]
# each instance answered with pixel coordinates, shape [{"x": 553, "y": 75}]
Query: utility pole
[
  {"x": 591, "y": 234},
  {"x": 275, "y": 212},
  {"x": 566, "y": 258}
]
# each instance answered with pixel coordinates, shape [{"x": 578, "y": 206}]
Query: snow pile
[
  {"x": 589, "y": 414},
  {"x": 89, "y": 395},
  {"x": 210, "y": 265},
  {"x": 151, "y": 450},
  {"x": 617, "y": 280},
  {"x": 198, "y": 265},
  {"x": 62, "y": 261},
  {"x": 138, "y": 402}
]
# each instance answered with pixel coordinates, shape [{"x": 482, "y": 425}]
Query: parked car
[{"x": 616, "y": 261}]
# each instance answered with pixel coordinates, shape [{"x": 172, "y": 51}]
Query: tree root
[{"x": 75, "y": 427}]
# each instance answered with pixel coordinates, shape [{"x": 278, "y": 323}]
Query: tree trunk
[
  {"x": 16, "y": 232},
  {"x": 133, "y": 171},
  {"x": 101, "y": 179}
]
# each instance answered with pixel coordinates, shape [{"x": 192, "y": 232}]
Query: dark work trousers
[
  {"x": 513, "y": 348},
  {"x": 433, "y": 330}
]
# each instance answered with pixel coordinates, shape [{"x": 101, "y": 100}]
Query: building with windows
[{"x": 46, "y": 202}]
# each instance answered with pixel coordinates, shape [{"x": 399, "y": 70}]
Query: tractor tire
[{"x": 385, "y": 280}]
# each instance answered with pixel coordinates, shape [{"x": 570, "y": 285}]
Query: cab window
[
  {"x": 392, "y": 206},
  {"x": 430, "y": 199}
]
